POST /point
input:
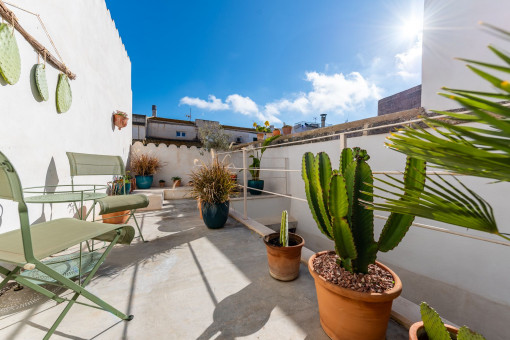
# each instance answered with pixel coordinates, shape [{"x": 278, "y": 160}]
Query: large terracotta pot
[
  {"x": 287, "y": 130},
  {"x": 417, "y": 331},
  {"x": 284, "y": 261},
  {"x": 119, "y": 217},
  {"x": 276, "y": 132},
  {"x": 349, "y": 315}
]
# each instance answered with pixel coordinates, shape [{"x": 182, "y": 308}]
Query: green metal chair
[
  {"x": 28, "y": 246},
  {"x": 83, "y": 164}
]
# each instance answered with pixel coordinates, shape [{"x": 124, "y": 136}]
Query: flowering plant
[{"x": 264, "y": 128}]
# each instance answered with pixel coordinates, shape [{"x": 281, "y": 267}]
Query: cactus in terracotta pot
[
  {"x": 336, "y": 201},
  {"x": 284, "y": 229}
]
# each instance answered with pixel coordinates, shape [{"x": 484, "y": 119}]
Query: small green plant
[
  {"x": 284, "y": 229},
  {"x": 436, "y": 330},
  {"x": 254, "y": 168},
  {"x": 337, "y": 201},
  {"x": 176, "y": 178}
]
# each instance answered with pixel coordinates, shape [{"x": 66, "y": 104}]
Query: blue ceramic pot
[
  {"x": 120, "y": 191},
  {"x": 215, "y": 215},
  {"x": 257, "y": 184},
  {"x": 144, "y": 182}
]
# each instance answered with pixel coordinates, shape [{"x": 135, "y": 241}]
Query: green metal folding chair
[
  {"x": 83, "y": 164},
  {"x": 28, "y": 246}
]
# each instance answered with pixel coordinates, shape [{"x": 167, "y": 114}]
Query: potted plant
[
  {"x": 144, "y": 166},
  {"x": 276, "y": 132},
  {"x": 255, "y": 182},
  {"x": 177, "y": 181},
  {"x": 354, "y": 291},
  {"x": 162, "y": 183},
  {"x": 432, "y": 328},
  {"x": 212, "y": 187},
  {"x": 118, "y": 186},
  {"x": 286, "y": 129},
  {"x": 284, "y": 252},
  {"x": 262, "y": 130},
  {"x": 120, "y": 119}
]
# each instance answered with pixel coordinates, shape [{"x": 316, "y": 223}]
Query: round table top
[{"x": 64, "y": 197}]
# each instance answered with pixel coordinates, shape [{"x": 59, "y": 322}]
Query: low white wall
[
  {"x": 177, "y": 161},
  {"x": 32, "y": 134}
]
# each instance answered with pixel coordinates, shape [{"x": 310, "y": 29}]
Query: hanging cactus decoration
[
  {"x": 284, "y": 229},
  {"x": 40, "y": 81},
  {"x": 436, "y": 330},
  {"x": 10, "y": 61},
  {"x": 64, "y": 94},
  {"x": 335, "y": 199}
]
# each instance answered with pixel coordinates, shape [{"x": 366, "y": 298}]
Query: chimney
[
  {"x": 323, "y": 120},
  {"x": 154, "y": 111}
]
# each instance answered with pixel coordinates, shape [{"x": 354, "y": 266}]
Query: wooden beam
[{"x": 9, "y": 16}]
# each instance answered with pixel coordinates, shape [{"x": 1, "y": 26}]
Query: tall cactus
[
  {"x": 284, "y": 229},
  {"x": 334, "y": 198},
  {"x": 436, "y": 330}
]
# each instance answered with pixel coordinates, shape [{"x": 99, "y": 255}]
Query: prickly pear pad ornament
[
  {"x": 40, "y": 81},
  {"x": 64, "y": 94},
  {"x": 10, "y": 62}
]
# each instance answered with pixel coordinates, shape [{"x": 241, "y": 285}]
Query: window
[
  {"x": 181, "y": 134},
  {"x": 255, "y": 139}
]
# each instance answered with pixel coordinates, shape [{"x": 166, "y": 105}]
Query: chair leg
[
  {"x": 79, "y": 290},
  {"x": 137, "y": 226},
  {"x": 9, "y": 275}
]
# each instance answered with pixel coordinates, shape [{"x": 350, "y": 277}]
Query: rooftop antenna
[{"x": 189, "y": 115}]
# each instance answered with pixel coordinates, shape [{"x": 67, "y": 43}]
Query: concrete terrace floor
[{"x": 188, "y": 282}]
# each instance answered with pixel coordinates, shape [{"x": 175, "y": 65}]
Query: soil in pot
[
  {"x": 284, "y": 262},
  {"x": 361, "y": 312}
]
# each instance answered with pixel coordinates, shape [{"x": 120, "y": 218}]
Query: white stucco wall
[
  {"x": 167, "y": 130},
  {"x": 177, "y": 161},
  {"x": 451, "y": 30},
  {"x": 32, "y": 134}
]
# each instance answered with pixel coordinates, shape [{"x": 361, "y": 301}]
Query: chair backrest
[
  {"x": 10, "y": 185},
  {"x": 10, "y": 189},
  {"x": 84, "y": 164}
]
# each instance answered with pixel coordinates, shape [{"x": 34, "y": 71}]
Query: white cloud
[
  {"x": 336, "y": 93},
  {"x": 241, "y": 104},
  {"x": 409, "y": 62},
  {"x": 213, "y": 103}
]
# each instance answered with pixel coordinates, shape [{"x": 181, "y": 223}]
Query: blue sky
[{"x": 244, "y": 61}]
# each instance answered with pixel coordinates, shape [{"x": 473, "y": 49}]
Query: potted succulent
[
  {"x": 284, "y": 252},
  {"x": 255, "y": 182},
  {"x": 144, "y": 166},
  {"x": 162, "y": 183},
  {"x": 120, "y": 119},
  {"x": 177, "y": 181},
  {"x": 262, "y": 130},
  {"x": 432, "y": 328},
  {"x": 212, "y": 187},
  {"x": 349, "y": 278},
  {"x": 286, "y": 129}
]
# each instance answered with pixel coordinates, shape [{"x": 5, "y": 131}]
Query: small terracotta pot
[
  {"x": 287, "y": 130},
  {"x": 417, "y": 330},
  {"x": 349, "y": 315},
  {"x": 276, "y": 132},
  {"x": 120, "y": 121},
  {"x": 116, "y": 217},
  {"x": 162, "y": 184},
  {"x": 260, "y": 136},
  {"x": 284, "y": 261},
  {"x": 177, "y": 183}
]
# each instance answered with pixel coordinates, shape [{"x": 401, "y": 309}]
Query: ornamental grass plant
[
  {"x": 212, "y": 183},
  {"x": 145, "y": 164}
]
